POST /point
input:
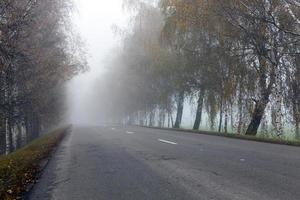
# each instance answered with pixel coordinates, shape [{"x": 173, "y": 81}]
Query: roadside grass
[
  {"x": 235, "y": 136},
  {"x": 19, "y": 170}
]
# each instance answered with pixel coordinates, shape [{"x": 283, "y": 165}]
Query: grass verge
[
  {"x": 235, "y": 136},
  {"x": 20, "y": 169}
]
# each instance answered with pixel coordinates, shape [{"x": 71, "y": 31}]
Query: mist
[
  {"x": 94, "y": 21},
  {"x": 151, "y": 67},
  {"x": 149, "y": 99}
]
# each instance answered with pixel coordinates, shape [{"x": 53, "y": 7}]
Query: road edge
[{"x": 230, "y": 135}]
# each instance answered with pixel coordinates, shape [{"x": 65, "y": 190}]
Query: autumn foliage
[
  {"x": 38, "y": 53},
  {"x": 235, "y": 61}
]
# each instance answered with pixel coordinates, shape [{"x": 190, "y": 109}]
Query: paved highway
[{"x": 134, "y": 163}]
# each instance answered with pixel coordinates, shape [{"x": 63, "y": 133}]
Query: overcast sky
[{"x": 93, "y": 19}]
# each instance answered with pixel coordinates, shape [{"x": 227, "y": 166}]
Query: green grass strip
[
  {"x": 20, "y": 169},
  {"x": 235, "y": 136}
]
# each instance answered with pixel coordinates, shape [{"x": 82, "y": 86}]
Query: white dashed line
[
  {"x": 166, "y": 141},
  {"x": 113, "y": 129},
  {"x": 129, "y": 132}
]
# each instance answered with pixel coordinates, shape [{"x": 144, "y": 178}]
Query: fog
[
  {"x": 137, "y": 75},
  {"x": 93, "y": 20},
  {"x": 162, "y": 65},
  {"x": 180, "y": 64}
]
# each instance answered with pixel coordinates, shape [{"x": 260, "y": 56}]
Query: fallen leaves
[{"x": 20, "y": 169}]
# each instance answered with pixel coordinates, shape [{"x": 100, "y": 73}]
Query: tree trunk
[
  {"x": 146, "y": 118},
  {"x": 2, "y": 135},
  {"x": 19, "y": 136},
  {"x": 226, "y": 122},
  {"x": 161, "y": 118},
  {"x": 226, "y": 118},
  {"x": 151, "y": 118},
  {"x": 266, "y": 90},
  {"x": 168, "y": 120},
  {"x": 199, "y": 110},
  {"x": 180, "y": 103},
  {"x": 2, "y": 114},
  {"x": 232, "y": 118},
  {"x": 297, "y": 131},
  {"x": 240, "y": 116},
  {"x": 10, "y": 135},
  {"x": 164, "y": 119},
  {"x": 257, "y": 116},
  {"x": 221, "y": 115}
]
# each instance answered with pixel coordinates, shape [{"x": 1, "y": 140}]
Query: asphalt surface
[{"x": 134, "y": 163}]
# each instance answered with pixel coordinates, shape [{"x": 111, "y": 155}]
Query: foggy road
[{"x": 140, "y": 163}]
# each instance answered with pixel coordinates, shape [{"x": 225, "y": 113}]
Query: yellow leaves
[{"x": 190, "y": 14}]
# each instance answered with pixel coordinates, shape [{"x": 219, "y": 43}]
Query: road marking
[
  {"x": 113, "y": 129},
  {"x": 129, "y": 132},
  {"x": 242, "y": 160},
  {"x": 166, "y": 141}
]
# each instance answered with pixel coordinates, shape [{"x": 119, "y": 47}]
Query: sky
[{"x": 93, "y": 20}]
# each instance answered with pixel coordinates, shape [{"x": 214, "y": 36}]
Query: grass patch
[
  {"x": 20, "y": 169},
  {"x": 236, "y": 136}
]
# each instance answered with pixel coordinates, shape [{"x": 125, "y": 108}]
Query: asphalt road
[{"x": 133, "y": 163}]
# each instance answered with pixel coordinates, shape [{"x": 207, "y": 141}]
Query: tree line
[
  {"x": 38, "y": 53},
  {"x": 240, "y": 60}
]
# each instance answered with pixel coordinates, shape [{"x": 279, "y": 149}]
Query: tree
[{"x": 35, "y": 60}]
